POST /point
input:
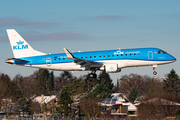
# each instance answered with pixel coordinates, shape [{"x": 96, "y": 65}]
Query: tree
[
  {"x": 90, "y": 83},
  {"x": 35, "y": 108},
  {"x": 116, "y": 87},
  {"x": 105, "y": 78},
  {"x": 142, "y": 83},
  {"x": 151, "y": 85},
  {"x": 101, "y": 91},
  {"x": 4, "y": 85},
  {"x": 66, "y": 75},
  {"x": 90, "y": 107},
  {"x": 41, "y": 80},
  {"x": 133, "y": 94},
  {"x": 44, "y": 81},
  {"x": 128, "y": 81},
  {"x": 59, "y": 83},
  {"x": 65, "y": 102},
  {"x": 171, "y": 83},
  {"x": 158, "y": 106},
  {"x": 24, "y": 105},
  {"x": 50, "y": 86}
]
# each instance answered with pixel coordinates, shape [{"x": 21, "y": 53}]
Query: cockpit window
[{"x": 161, "y": 52}]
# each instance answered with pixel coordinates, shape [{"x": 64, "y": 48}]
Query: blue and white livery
[{"x": 108, "y": 60}]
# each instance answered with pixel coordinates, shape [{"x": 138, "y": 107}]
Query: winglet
[{"x": 69, "y": 55}]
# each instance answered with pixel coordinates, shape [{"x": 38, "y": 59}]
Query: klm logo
[
  {"x": 20, "y": 46},
  {"x": 111, "y": 68},
  {"x": 119, "y": 52}
]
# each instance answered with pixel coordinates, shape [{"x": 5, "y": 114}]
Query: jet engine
[{"x": 111, "y": 68}]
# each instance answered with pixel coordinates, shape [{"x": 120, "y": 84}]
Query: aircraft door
[
  {"x": 150, "y": 55},
  {"x": 48, "y": 61}
]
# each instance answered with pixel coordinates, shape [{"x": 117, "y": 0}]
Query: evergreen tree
[
  {"x": 116, "y": 87},
  {"x": 133, "y": 94},
  {"x": 171, "y": 83},
  {"x": 44, "y": 81},
  {"x": 64, "y": 101},
  {"x": 101, "y": 91},
  {"x": 105, "y": 78},
  {"x": 24, "y": 105},
  {"x": 50, "y": 86},
  {"x": 90, "y": 83},
  {"x": 66, "y": 75}
]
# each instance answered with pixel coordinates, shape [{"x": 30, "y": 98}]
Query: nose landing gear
[{"x": 154, "y": 72}]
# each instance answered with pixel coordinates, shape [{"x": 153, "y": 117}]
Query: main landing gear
[
  {"x": 93, "y": 74},
  {"x": 154, "y": 72}
]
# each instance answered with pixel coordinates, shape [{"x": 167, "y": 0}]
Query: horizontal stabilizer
[
  {"x": 20, "y": 60},
  {"x": 12, "y": 60}
]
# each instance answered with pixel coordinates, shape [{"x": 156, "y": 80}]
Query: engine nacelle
[{"x": 111, "y": 68}]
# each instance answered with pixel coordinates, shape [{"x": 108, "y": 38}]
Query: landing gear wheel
[
  {"x": 92, "y": 75},
  {"x": 155, "y": 73}
]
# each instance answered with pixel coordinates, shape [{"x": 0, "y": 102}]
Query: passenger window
[
  {"x": 94, "y": 56},
  {"x": 130, "y": 54},
  {"x": 104, "y": 56},
  {"x": 63, "y": 58},
  {"x": 90, "y": 57},
  {"x": 86, "y": 56},
  {"x": 54, "y": 58},
  {"x": 139, "y": 53},
  {"x": 126, "y": 54},
  {"x": 59, "y": 58},
  {"x": 113, "y": 55},
  {"x": 121, "y": 54},
  {"x": 117, "y": 55},
  {"x": 134, "y": 53},
  {"x": 108, "y": 55},
  {"x": 100, "y": 56},
  {"x": 81, "y": 57}
]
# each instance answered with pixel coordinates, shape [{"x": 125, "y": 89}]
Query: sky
[{"x": 48, "y": 26}]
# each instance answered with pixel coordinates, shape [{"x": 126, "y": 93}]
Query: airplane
[{"x": 110, "y": 61}]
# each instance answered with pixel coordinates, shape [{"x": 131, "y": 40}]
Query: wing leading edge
[{"x": 83, "y": 63}]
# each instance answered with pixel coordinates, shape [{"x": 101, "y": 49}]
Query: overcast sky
[{"x": 48, "y": 26}]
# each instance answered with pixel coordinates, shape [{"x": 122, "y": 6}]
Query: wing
[{"x": 83, "y": 63}]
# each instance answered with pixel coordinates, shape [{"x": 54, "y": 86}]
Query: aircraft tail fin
[{"x": 19, "y": 46}]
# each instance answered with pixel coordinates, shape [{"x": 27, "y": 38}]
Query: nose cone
[{"x": 172, "y": 58}]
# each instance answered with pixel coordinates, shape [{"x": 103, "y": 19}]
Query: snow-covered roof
[
  {"x": 47, "y": 99},
  {"x": 119, "y": 98},
  {"x": 160, "y": 101}
]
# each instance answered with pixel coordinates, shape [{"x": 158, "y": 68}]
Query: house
[
  {"x": 157, "y": 107},
  {"x": 50, "y": 101},
  {"x": 118, "y": 106},
  {"x": 160, "y": 101}
]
